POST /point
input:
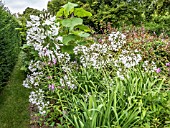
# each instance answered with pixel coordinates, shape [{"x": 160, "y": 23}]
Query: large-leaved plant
[{"x": 73, "y": 31}]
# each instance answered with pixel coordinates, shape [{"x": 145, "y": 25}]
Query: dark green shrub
[
  {"x": 122, "y": 12},
  {"x": 9, "y": 44},
  {"x": 114, "y": 11}
]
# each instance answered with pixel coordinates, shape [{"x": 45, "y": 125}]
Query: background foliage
[
  {"x": 9, "y": 43},
  {"x": 123, "y": 12}
]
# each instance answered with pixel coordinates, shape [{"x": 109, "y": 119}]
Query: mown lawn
[{"x": 14, "y": 105}]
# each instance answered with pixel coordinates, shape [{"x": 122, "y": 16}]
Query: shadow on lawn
[{"x": 14, "y": 104}]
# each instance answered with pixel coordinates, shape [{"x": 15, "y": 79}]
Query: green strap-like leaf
[{"x": 67, "y": 48}]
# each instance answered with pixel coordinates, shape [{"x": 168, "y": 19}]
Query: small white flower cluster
[
  {"x": 97, "y": 55},
  {"x": 37, "y": 98},
  {"x": 87, "y": 96},
  {"x": 149, "y": 66},
  {"x": 55, "y": 56},
  {"x": 66, "y": 82},
  {"x": 117, "y": 40},
  {"x": 120, "y": 73},
  {"x": 35, "y": 21},
  {"x": 43, "y": 36},
  {"x": 33, "y": 79},
  {"x": 129, "y": 58},
  {"x": 39, "y": 31},
  {"x": 63, "y": 58},
  {"x": 66, "y": 68},
  {"x": 35, "y": 66}
]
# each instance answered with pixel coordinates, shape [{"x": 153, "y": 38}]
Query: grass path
[{"x": 14, "y": 105}]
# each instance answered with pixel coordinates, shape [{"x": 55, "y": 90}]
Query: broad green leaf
[
  {"x": 81, "y": 34},
  {"x": 67, "y": 48},
  {"x": 60, "y": 12},
  {"x": 72, "y": 22},
  {"x": 68, "y": 8},
  {"x": 84, "y": 34},
  {"x": 80, "y": 12},
  {"x": 82, "y": 42},
  {"x": 83, "y": 28},
  {"x": 23, "y": 68},
  {"x": 25, "y": 46},
  {"x": 68, "y": 38}
]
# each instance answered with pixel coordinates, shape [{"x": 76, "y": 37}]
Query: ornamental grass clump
[
  {"x": 112, "y": 102},
  {"x": 91, "y": 84}
]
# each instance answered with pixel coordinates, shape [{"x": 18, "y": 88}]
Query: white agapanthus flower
[
  {"x": 117, "y": 40},
  {"x": 34, "y": 18},
  {"x": 32, "y": 80},
  {"x": 37, "y": 33},
  {"x": 66, "y": 82},
  {"x": 129, "y": 58},
  {"x": 121, "y": 76},
  {"x": 98, "y": 55},
  {"x": 149, "y": 66},
  {"x": 37, "y": 98}
]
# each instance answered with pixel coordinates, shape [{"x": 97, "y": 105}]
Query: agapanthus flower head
[
  {"x": 49, "y": 77},
  {"x": 34, "y": 18},
  {"x": 117, "y": 40},
  {"x": 51, "y": 87},
  {"x": 158, "y": 70},
  {"x": 54, "y": 61},
  {"x": 168, "y": 64}
]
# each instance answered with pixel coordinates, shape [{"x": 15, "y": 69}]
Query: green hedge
[{"x": 9, "y": 44}]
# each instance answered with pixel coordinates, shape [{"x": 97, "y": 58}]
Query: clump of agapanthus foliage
[{"x": 79, "y": 82}]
